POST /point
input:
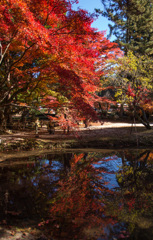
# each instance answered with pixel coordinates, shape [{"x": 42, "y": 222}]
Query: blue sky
[{"x": 101, "y": 23}]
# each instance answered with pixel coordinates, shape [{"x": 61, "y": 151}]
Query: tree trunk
[
  {"x": 143, "y": 119},
  {"x": 8, "y": 117},
  {"x": 121, "y": 110},
  {"x": 2, "y": 121}
]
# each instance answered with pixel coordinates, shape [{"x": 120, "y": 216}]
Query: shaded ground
[
  {"x": 26, "y": 232},
  {"x": 108, "y": 135}
]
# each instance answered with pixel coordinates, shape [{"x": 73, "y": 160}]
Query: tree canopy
[
  {"x": 133, "y": 82},
  {"x": 50, "y": 56},
  {"x": 132, "y": 22}
]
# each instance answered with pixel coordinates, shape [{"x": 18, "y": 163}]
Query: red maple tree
[{"x": 46, "y": 50}]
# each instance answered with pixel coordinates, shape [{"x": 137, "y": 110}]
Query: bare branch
[{"x": 1, "y": 51}]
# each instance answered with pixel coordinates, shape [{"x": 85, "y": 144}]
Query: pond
[{"x": 88, "y": 195}]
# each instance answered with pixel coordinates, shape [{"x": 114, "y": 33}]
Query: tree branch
[{"x": 1, "y": 51}]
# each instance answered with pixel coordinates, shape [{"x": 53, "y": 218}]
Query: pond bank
[
  {"x": 40, "y": 185},
  {"x": 106, "y": 136}
]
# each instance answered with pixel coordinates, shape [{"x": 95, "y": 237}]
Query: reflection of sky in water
[
  {"x": 56, "y": 165},
  {"x": 47, "y": 170},
  {"x": 42, "y": 170},
  {"x": 111, "y": 164},
  {"x": 44, "y": 162},
  {"x": 41, "y": 175}
]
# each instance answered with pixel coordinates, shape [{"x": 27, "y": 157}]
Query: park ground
[{"x": 108, "y": 135}]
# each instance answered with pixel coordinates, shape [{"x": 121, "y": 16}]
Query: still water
[{"x": 84, "y": 196}]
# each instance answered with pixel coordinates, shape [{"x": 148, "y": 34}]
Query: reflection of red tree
[
  {"x": 79, "y": 203},
  {"x": 83, "y": 205}
]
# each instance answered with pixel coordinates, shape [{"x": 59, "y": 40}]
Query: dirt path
[
  {"x": 107, "y": 129},
  {"x": 108, "y": 135}
]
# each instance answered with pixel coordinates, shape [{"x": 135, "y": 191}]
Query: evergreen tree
[{"x": 132, "y": 24}]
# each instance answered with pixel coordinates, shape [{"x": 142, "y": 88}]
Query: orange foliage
[{"x": 49, "y": 52}]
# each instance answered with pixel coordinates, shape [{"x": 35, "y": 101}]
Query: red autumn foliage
[
  {"x": 49, "y": 52},
  {"x": 80, "y": 199}
]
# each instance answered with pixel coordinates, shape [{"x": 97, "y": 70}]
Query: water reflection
[{"x": 90, "y": 195}]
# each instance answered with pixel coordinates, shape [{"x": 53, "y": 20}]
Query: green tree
[
  {"x": 132, "y": 22},
  {"x": 132, "y": 78}
]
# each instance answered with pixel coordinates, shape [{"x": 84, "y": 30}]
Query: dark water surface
[{"x": 87, "y": 196}]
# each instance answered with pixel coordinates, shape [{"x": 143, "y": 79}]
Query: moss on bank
[
  {"x": 142, "y": 140},
  {"x": 106, "y": 138}
]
